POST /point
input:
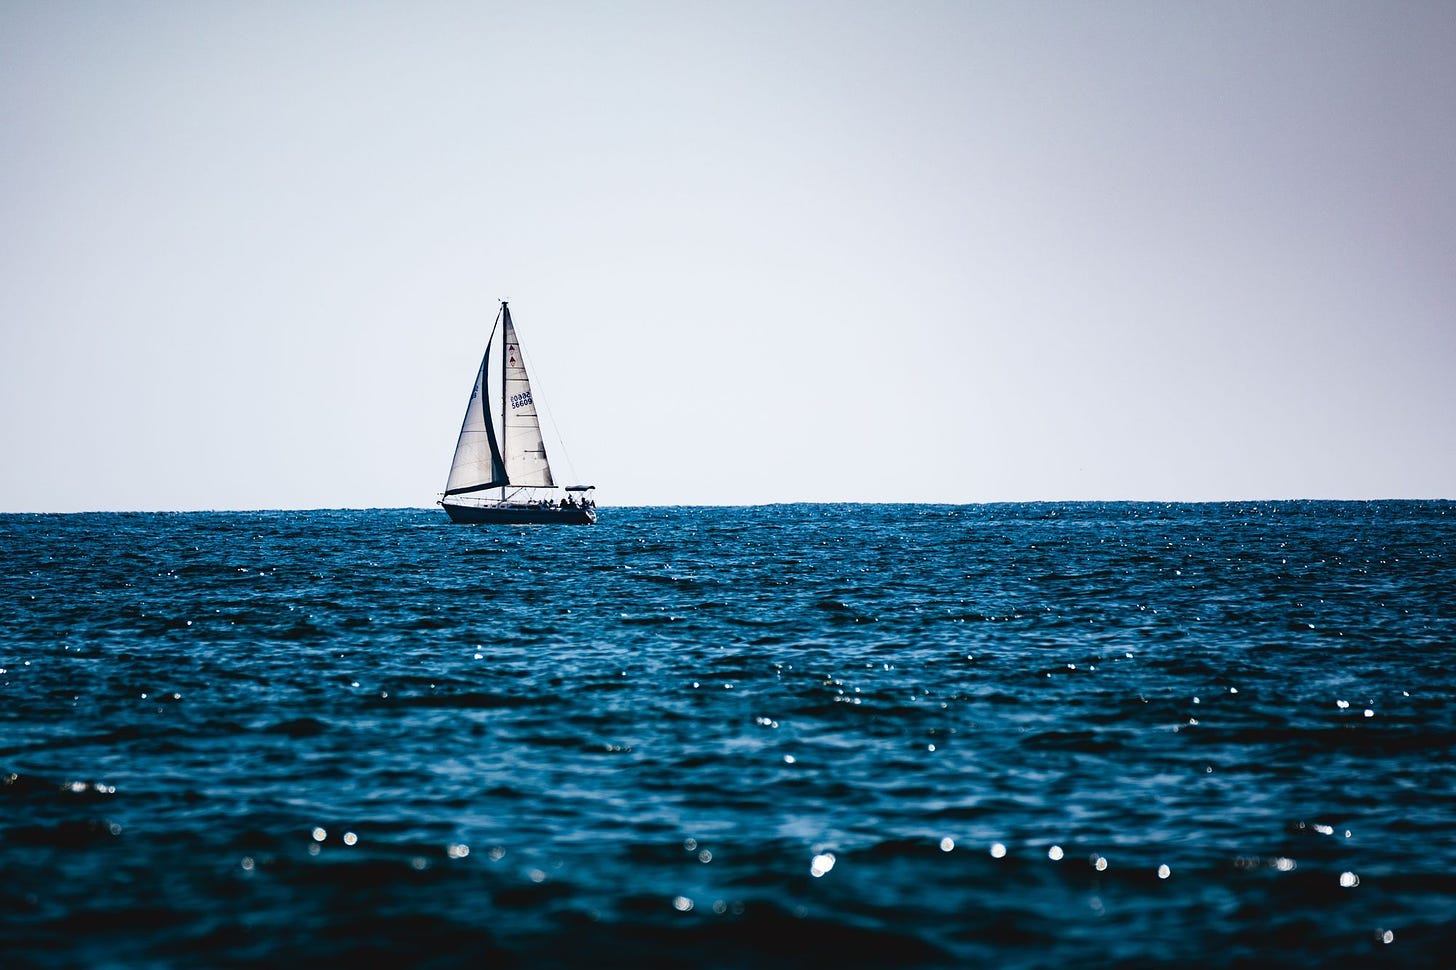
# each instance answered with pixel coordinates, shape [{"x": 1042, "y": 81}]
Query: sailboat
[{"x": 500, "y": 472}]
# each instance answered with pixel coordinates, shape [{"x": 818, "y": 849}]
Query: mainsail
[
  {"x": 522, "y": 446},
  {"x": 513, "y": 454}
]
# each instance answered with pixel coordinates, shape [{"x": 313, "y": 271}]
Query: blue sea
[{"x": 912, "y": 736}]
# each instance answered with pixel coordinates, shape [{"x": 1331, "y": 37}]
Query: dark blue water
[{"x": 903, "y": 736}]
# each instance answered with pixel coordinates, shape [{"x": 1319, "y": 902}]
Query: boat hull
[{"x": 513, "y": 514}]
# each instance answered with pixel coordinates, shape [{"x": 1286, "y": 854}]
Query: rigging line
[{"x": 550, "y": 414}]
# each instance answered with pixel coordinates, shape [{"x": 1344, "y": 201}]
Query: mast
[{"x": 505, "y": 328}]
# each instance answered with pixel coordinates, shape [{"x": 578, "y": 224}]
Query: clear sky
[{"x": 757, "y": 252}]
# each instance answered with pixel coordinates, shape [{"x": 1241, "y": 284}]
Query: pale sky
[{"x": 756, "y": 252}]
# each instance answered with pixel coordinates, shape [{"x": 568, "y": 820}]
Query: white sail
[
  {"x": 522, "y": 447},
  {"x": 477, "y": 464}
]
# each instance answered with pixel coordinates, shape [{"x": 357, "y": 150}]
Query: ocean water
[{"x": 1017, "y": 736}]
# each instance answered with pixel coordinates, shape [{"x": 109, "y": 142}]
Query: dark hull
[{"x": 519, "y": 515}]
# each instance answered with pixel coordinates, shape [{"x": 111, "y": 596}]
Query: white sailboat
[{"x": 500, "y": 472}]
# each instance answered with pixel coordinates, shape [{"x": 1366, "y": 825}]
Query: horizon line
[{"x": 749, "y": 505}]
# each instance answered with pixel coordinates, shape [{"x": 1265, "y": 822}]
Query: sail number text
[{"x": 520, "y": 400}]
